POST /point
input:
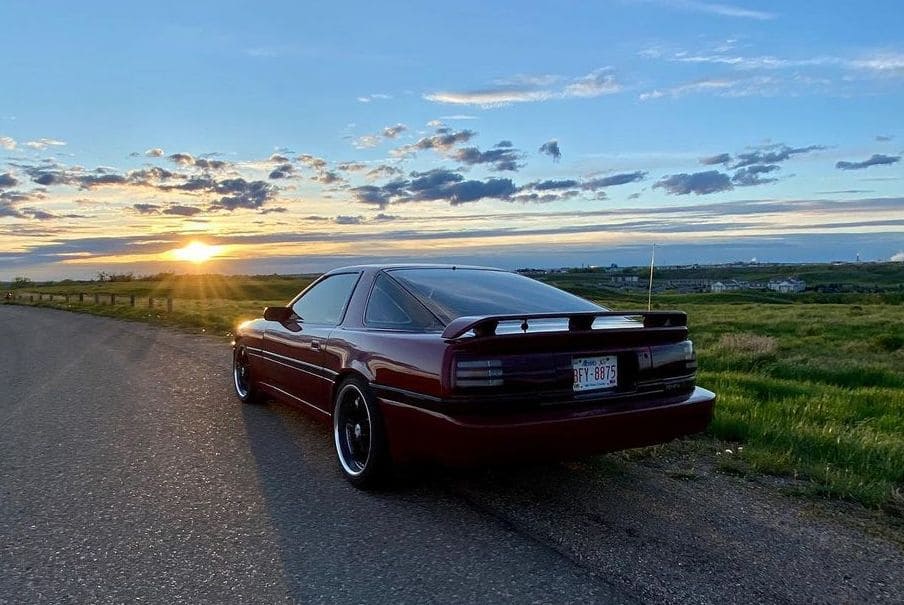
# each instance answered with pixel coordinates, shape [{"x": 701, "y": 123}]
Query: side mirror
[{"x": 280, "y": 314}]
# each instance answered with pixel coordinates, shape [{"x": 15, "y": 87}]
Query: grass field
[{"x": 810, "y": 391}]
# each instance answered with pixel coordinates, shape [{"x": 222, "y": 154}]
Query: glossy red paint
[{"x": 534, "y": 412}]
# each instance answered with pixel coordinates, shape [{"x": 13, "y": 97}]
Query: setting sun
[{"x": 196, "y": 252}]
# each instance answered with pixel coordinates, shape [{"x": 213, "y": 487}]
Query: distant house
[
  {"x": 729, "y": 285},
  {"x": 786, "y": 285}
]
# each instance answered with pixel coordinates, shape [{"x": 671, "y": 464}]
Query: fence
[{"x": 96, "y": 298}]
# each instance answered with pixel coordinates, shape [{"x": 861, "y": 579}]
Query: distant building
[
  {"x": 786, "y": 285},
  {"x": 730, "y": 285}
]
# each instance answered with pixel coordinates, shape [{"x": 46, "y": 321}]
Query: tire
[
  {"x": 245, "y": 389},
  {"x": 359, "y": 436}
]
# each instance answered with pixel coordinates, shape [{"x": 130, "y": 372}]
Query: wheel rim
[
  {"x": 241, "y": 374},
  {"x": 352, "y": 430}
]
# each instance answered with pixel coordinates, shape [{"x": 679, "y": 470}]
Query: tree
[{"x": 21, "y": 282}]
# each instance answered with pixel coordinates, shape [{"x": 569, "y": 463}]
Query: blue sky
[{"x": 301, "y": 136}]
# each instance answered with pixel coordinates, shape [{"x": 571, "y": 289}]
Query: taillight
[
  {"x": 478, "y": 373},
  {"x": 675, "y": 353}
]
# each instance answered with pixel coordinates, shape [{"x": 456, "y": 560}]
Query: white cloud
[
  {"x": 886, "y": 64},
  {"x": 44, "y": 143},
  {"x": 374, "y": 97},
  {"x": 725, "y": 87},
  {"x": 525, "y": 89},
  {"x": 8, "y": 143},
  {"x": 368, "y": 141},
  {"x": 713, "y": 8},
  {"x": 897, "y": 258}
]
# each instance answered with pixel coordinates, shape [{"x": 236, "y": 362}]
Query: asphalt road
[{"x": 130, "y": 473}]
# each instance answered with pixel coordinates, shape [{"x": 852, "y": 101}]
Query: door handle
[{"x": 315, "y": 345}]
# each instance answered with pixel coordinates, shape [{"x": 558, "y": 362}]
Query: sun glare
[{"x": 196, "y": 252}]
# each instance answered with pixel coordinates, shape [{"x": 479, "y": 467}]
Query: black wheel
[
  {"x": 241, "y": 377},
  {"x": 359, "y": 435}
]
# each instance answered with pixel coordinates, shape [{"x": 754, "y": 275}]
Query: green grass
[
  {"x": 814, "y": 392},
  {"x": 809, "y": 390}
]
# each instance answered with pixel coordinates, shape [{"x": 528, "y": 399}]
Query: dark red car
[{"x": 463, "y": 365}]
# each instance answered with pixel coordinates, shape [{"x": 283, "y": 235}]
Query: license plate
[{"x": 595, "y": 372}]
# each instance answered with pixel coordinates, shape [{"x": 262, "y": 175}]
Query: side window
[
  {"x": 391, "y": 307},
  {"x": 325, "y": 303}
]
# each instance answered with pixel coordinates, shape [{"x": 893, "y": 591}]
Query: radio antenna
[{"x": 650, "y": 290}]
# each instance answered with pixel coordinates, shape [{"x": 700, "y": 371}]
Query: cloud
[
  {"x": 348, "y": 220},
  {"x": 501, "y": 159},
  {"x": 367, "y": 141},
  {"x": 771, "y": 154},
  {"x": 351, "y": 167},
  {"x": 884, "y": 138},
  {"x": 503, "y": 144},
  {"x": 552, "y": 185},
  {"x": 178, "y": 210},
  {"x": 897, "y": 257},
  {"x": 877, "y": 159},
  {"x": 391, "y": 132},
  {"x": 44, "y": 143},
  {"x": 278, "y": 158},
  {"x": 382, "y": 171},
  {"x": 726, "y": 87},
  {"x": 432, "y": 185},
  {"x": 154, "y": 152},
  {"x": 7, "y": 180},
  {"x": 243, "y": 194},
  {"x": 275, "y": 209},
  {"x": 327, "y": 177},
  {"x": 526, "y": 89},
  {"x": 183, "y": 159},
  {"x": 312, "y": 161},
  {"x": 551, "y": 148},
  {"x": 713, "y": 160},
  {"x": 752, "y": 175},
  {"x": 374, "y": 97},
  {"x": 881, "y": 64},
  {"x": 444, "y": 140},
  {"x": 699, "y": 183},
  {"x": 382, "y": 217},
  {"x": 8, "y": 143},
  {"x": 283, "y": 171},
  {"x": 613, "y": 180},
  {"x": 146, "y": 208},
  {"x": 718, "y": 9}
]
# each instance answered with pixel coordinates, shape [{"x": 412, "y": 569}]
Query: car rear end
[
  {"x": 525, "y": 370},
  {"x": 547, "y": 386}
]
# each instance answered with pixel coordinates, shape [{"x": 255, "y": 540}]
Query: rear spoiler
[{"x": 485, "y": 325}]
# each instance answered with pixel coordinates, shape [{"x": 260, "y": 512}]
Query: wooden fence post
[
  {"x": 112, "y": 299},
  {"x": 131, "y": 300},
  {"x": 150, "y": 302},
  {"x": 67, "y": 299},
  {"x": 31, "y": 298},
  {"x": 169, "y": 304},
  {"x": 96, "y": 298},
  {"x": 81, "y": 297}
]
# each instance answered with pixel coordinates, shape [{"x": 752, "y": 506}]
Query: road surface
[{"x": 130, "y": 473}]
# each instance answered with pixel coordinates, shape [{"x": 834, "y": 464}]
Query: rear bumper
[{"x": 417, "y": 434}]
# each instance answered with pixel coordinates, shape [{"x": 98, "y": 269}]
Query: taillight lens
[
  {"x": 676, "y": 353},
  {"x": 478, "y": 373}
]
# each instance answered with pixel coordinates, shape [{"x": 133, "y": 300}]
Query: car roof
[{"x": 390, "y": 266}]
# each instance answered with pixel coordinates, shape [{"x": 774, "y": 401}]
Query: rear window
[
  {"x": 392, "y": 308},
  {"x": 453, "y": 293}
]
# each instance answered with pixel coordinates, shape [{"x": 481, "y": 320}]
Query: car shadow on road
[{"x": 419, "y": 534}]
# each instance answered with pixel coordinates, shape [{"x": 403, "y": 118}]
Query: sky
[{"x": 298, "y": 137}]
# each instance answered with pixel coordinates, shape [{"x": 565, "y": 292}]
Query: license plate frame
[{"x": 595, "y": 373}]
